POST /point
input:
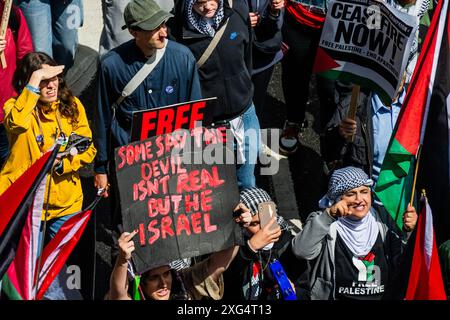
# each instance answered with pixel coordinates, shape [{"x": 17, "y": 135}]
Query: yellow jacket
[{"x": 66, "y": 194}]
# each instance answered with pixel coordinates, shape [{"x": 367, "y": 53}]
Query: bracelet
[{"x": 33, "y": 89}]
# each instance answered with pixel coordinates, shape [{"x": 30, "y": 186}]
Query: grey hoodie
[{"x": 316, "y": 244}]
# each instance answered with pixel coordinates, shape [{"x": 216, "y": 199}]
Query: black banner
[{"x": 180, "y": 201}]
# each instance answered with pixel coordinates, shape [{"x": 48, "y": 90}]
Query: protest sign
[
  {"x": 366, "y": 42},
  {"x": 157, "y": 121},
  {"x": 179, "y": 200}
]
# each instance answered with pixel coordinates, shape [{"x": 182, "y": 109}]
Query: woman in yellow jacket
[{"x": 44, "y": 111}]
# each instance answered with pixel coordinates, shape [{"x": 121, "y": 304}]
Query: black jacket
[
  {"x": 267, "y": 36},
  {"x": 227, "y": 72},
  {"x": 336, "y": 151},
  {"x": 240, "y": 271}
]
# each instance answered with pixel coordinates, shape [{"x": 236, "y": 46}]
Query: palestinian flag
[
  {"x": 58, "y": 250},
  {"x": 21, "y": 205},
  {"x": 425, "y": 279},
  {"x": 21, "y": 208},
  {"x": 21, "y": 281},
  {"x": 21, "y": 271},
  {"x": 434, "y": 171},
  {"x": 394, "y": 185}
]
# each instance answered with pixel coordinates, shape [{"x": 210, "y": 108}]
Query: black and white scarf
[{"x": 201, "y": 24}]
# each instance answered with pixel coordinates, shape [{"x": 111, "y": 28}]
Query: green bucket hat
[{"x": 145, "y": 14}]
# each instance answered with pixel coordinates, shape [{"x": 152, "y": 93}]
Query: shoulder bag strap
[{"x": 139, "y": 77}]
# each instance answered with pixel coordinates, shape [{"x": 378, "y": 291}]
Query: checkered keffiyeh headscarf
[
  {"x": 341, "y": 181},
  {"x": 251, "y": 197},
  {"x": 200, "y": 23},
  {"x": 180, "y": 264}
]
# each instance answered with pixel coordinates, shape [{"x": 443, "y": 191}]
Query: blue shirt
[
  {"x": 383, "y": 120},
  {"x": 173, "y": 80}
]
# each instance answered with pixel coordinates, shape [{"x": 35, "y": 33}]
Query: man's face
[
  {"x": 359, "y": 201},
  {"x": 206, "y": 8},
  {"x": 154, "y": 39},
  {"x": 158, "y": 283}
]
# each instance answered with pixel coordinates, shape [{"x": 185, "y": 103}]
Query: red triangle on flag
[
  {"x": 58, "y": 250},
  {"x": 324, "y": 62},
  {"x": 13, "y": 197},
  {"x": 425, "y": 279}
]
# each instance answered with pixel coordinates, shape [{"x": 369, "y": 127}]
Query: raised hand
[
  {"x": 245, "y": 216},
  {"x": 347, "y": 128},
  {"x": 339, "y": 209},
  {"x": 265, "y": 235},
  {"x": 45, "y": 73},
  {"x": 126, "y": 245}
]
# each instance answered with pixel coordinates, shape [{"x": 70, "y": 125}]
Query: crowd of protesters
[{"x": 186, "y": 50}]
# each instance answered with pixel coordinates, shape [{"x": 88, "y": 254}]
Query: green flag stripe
[
  {"x": 396, "y": 164},
  {"x": 395, "y": 181},
  {"x": 136, "y": 294},
  {"x": 9, "y": 290}
]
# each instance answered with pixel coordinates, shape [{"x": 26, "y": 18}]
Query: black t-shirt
[{"x": 360, "y": 278}]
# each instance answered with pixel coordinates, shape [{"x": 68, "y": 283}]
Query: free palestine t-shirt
[{"x": 362, "y": 278}]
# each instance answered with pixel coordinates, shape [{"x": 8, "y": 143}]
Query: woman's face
[
  {"x": 359, "y": 201},
  {"x": 158, "y": 283},
  {"x": 49, "y": 88},
  {"x": 254, "y": 225},
  {"x": 206, "y": 8}
]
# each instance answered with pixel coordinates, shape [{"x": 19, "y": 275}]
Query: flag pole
[
  {"x": 44, "y": 227},
  {"x": 3, "y": 26},
  {"x": 419, "y": 151},
  {"x": 44, "y": 230},
  {"x": 353, "y": 107},
  {"x": 423, "y": 193}
]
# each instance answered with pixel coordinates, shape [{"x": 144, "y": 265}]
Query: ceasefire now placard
[{"x": 366, "y": 42}]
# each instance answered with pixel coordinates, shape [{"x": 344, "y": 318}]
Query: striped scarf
[{"x": 201, "y": 24}]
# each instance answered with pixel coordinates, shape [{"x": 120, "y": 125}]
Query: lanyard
[{"x": 40, "y": 136}]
